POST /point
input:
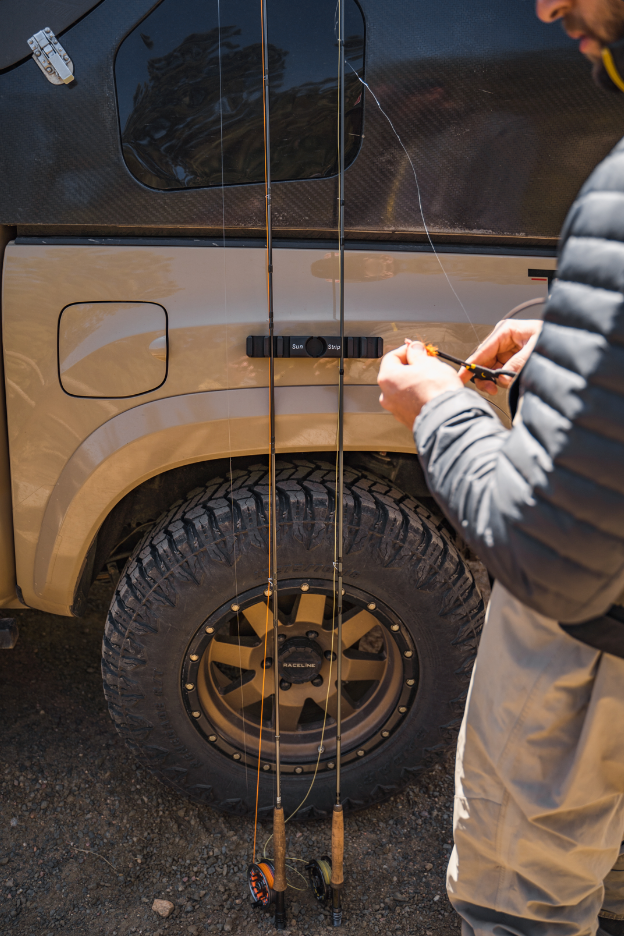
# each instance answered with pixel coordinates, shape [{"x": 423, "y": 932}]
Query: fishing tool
[
  {"x": 267, "y": 879},
  {"x": 326, "y": 875},
  {"x": 478, "y": 372},
  {"x": 337, "y": 838}
]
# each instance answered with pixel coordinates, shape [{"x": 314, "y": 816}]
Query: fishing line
[{"x": 420, "y": 204}]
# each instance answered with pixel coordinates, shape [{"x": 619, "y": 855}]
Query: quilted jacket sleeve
[{"x": 542, "y": 504}]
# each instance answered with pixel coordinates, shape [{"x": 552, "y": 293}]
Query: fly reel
[
  {"x": 319, "y": 873},
  {"x": 261, "y": 878}
]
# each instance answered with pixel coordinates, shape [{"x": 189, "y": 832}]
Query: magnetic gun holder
[{"x": 311, "y": 346}]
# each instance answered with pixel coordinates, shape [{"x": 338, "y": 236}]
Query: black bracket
[{"x": 311, "y": 346}]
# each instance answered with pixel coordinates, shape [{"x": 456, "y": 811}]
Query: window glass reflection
[{"x": 189, "y": 88}]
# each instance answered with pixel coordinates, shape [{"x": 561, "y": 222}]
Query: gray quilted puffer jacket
[{"x": 542, "y": 504}]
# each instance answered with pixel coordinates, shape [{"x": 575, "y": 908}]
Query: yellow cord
[{"x": 613, "y": 73}]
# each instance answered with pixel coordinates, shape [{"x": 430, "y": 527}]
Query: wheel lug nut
[
  {"x": 210, "y": 630},
  {"x": 266, "y": 766},
  {"x": 268, "y": 663},
  {"x": 311, "y": 634},
  {"x": 284, "y": 686},
  {"x": 317, "y": 681},
  {"x": 305, "y": 587},
  {"x": 189, "y": 687},
  {"x": 394, "y": 627},
  {"x": 281, "y": 638},
  {"x": 402, "y": 709},
  {"x": 329, "y": 655},
  {"x": 385, "y": 734},
  {"x": 268, "y": 592},
  {"x": 361, "y": 753},
  {"x": 410, "y": 682},
  {"x": 236, "y": 756},
  {"x": 212, "y": 738},
  {"x": 408, "y": 654},
  {"x": 371, "y": 606},
  {"x": 331, "y": 765},
  {"x": 298, "y": 769},
  {"x": 235, "y": 607},
  {"x": 196, "y": 714},
  {"x": 194, "y": 657}
]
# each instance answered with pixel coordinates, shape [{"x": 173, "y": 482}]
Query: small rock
[
  {"x": 295, "y": 908},
  {"x": 193, "y": 930},
  {"x": 428, "y": 866},
  {"x": 4, "y": 860},
  {"x": 164, "y": 908},
  {"x": 227, "y": 926},
  {"x": 9, "y": 883}
]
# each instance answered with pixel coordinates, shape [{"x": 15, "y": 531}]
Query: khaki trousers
[{"x": 539, "y": 784}]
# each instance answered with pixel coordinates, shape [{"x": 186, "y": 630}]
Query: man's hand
[
  {"x": 508, "y": 346},
  {"x": 409, "y": 378}
]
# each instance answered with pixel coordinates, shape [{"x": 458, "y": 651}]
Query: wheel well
[{"x": 135, "y": 513}]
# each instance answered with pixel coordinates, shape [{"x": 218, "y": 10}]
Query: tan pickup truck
[{"x": 136, "y": 446}]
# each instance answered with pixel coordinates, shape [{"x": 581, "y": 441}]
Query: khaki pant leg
[{"x": 539, "y": 805}]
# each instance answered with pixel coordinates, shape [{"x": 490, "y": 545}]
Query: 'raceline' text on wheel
[{"x": 188, "y": 650}]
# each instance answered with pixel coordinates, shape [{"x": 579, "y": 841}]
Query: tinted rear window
[{"x": 189, "y": 89}]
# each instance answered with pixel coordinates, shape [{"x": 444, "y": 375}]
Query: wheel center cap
[{"x": 300, "y": 660}]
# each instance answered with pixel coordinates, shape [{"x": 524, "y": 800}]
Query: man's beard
[{"x": 611, "y": 29}]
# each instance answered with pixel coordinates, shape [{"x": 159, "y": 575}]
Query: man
[{"x": 539, "y": 807}]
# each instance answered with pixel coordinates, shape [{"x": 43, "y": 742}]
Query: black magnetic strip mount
[{"x": 311, "y": 346}]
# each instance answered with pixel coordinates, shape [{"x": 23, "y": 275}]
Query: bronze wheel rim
[{"x": 224, "y": 676}]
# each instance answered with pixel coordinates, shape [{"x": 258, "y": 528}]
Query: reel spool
[
  {"x": 261, "y": 878},
  {"x": 319, "y": 873}
]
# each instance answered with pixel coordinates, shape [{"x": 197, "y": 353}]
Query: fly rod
[
  {"x": 279, "y": 828},
  {"x": 337, "y": 850}
]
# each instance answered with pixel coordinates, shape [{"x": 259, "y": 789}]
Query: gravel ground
[{"x": 88, "y": 840}]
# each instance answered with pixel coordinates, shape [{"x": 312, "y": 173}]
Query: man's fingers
[{"x": 486, "y": 386}]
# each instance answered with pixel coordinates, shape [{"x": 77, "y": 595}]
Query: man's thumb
[{"x": 415, "y": 352}]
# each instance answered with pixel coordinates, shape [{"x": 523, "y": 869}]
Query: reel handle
[
  {"x": 279, "y": 846},
  {"x": 337, "y": 860},
  {"x": 337, "y": 852}
]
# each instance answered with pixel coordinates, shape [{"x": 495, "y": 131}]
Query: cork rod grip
[
  {"x": 337, "y": 855},
  {"x": 279, "y": 849}
]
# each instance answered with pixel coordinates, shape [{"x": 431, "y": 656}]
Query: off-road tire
[{"x": 184, "y": 569}]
